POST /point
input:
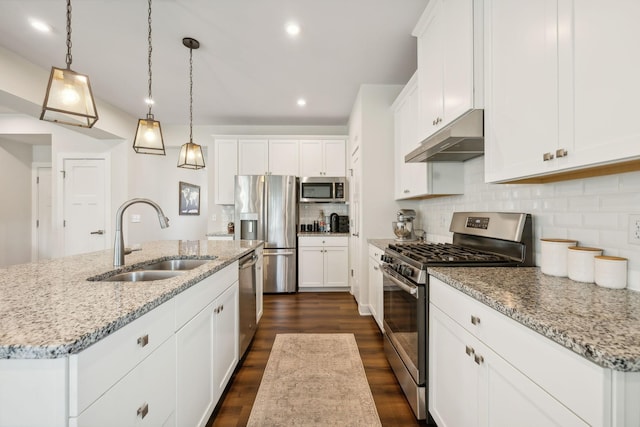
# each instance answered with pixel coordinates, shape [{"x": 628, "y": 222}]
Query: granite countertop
[
  {"x": 50, "y": 310},
  {"x": 600, "y": 324},
  {"x": 380, "y": 243}
]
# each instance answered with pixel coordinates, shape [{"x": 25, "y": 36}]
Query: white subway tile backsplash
[{"x": 593, "y": 210}]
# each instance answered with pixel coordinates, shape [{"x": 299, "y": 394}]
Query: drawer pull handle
[
  {"x": 143, "y": 340},
  {"x": 547, "y": 156},
  {"x": 469, "y": 350},
  {"x": 478, "y": 359},
  {"x": 143, "y": 410},
  {"x": 561, "y": 152},
  {"x": 475, "y": 320}
]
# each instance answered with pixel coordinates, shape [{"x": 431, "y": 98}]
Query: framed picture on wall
[{"x": 189, "y": 196}]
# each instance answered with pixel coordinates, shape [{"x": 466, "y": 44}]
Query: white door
[
  {"x": 42, "y": 213},
  {"x": 84, "y": 205},
  {"x": 354, "y": 226}
]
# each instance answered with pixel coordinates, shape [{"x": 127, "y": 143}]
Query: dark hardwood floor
[{"x": 321, "y": 312}]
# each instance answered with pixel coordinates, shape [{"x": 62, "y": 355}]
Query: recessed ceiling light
[
  {"x": 293, "y": 29},
  {"x": 301, "y": 102},
  {"x": 41, "y": 26}
]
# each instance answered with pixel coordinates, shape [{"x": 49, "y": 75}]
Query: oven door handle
[{"x": 410, "y": 289}]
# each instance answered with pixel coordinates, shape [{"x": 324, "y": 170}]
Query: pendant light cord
[
  {"x": 191, "y": 94},
  {"x": 150, "y": 99},
  {"x": 68, "y": 58}
]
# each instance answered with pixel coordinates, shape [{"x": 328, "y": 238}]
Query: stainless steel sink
[
  {"x": 143, "y": 276},
  {"x": 176, "y": 264}
]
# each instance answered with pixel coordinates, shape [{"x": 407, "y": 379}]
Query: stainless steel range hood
[{"x": 461, "y": 140}]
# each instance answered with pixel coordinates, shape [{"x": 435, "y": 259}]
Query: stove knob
[{"x": 407, "y": 271}]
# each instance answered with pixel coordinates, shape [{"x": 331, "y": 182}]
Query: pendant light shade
[
  {"x": 69, "y": 99},
  {"x": 148, "y": 139},
  {"x": 191, "y": 153}
]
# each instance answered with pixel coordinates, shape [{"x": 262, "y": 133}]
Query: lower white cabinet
[
  {"x": 375, "y": 285},
  {"x": 323, "y": 262},
  {"x": 486, "y": 369}
]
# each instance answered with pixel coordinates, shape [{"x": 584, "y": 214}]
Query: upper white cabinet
[
  {"x": 326, "y": 157},
  {"x": 268, "y": 157},
  {"x": 449, "y": 62},
  {"x": 226, "y": 161},
  {"x": 561, "y": 86},
  {"x": 416, "y": 180}
]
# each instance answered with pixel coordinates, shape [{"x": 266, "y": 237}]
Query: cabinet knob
[
  {"x": 143, "y": 410},
  {"x": 475, "y": 320},
  {"x": 406, "y": 191},
  {"x": 478, "y": 359},
  {"x": 547, "y": 157},
  {"x": 143, "y": 340},
  {"x": 469, "y": 350},
  {"x": 561, "y": 152}
]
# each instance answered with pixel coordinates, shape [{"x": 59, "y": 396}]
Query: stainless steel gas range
[{"x": 480, "y": 239}]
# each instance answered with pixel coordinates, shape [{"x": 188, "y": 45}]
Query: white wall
[
  {"x": 15, "y": 205},
  {"x": 594, "y": 211}
]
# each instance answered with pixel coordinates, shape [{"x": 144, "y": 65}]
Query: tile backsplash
[
  {"x": 309, "y": 212},
  {"x": 595, "y": 211}
]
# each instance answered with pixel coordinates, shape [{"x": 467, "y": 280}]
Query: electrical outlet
[
  {"x": 136, "y": 218},
  {"x": 634, "y": 229}
]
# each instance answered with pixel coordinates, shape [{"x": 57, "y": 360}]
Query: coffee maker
[{"x": 403, "y": 227}]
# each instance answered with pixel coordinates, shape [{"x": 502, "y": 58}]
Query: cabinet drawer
[
  {"x": 375, "y": 252},
  {"x": 147, "y": 390},
  {"x": 323, "y": 241},
  {"x": 96, "y": 369},
  {"x": 576, "y": 382},
  {"x": 193, "y": 300}
]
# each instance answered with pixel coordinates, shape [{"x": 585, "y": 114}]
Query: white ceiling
[{"x": 247, "y": 70}]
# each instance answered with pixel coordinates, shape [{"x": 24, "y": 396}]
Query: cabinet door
[
  {"x": 196, "y": 392},
  {"x": 458, "y": 57},
  {"x": 453, "y": 375},
  {"x": 605, "y": 80},
  {"x": 253, "y": 157},
  {"x": 283, "y": 157},
  {"x": 334, "y": 154},
  {"x": 430, "y": 68},
  {"x": 375, "y": 291},
  {"x": 226, "y": 152},
  {"x": 311, "y": 266},
  {"x": 225, "y": 341},
  {"x": 336, "y": 273},
  {"x": 521, "y": 83},
  {"x": 311, "y": 158},
  {"x": 144, "y": 397}
]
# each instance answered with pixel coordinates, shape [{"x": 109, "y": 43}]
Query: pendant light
[
  {"x": 148, "y": 139},
  {"x": 190, "y": 153},
  {"x": 69, "y": 99}
]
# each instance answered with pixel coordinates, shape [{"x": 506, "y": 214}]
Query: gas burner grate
[{"x": 444, "y": 253}]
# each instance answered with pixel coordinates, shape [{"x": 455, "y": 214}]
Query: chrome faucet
[{"x": 118, "y": 246}]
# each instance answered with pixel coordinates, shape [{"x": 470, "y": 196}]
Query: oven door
[{"x": 405, "y": 321}]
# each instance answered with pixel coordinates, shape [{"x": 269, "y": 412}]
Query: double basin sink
[{"x": 155, "y": 271}]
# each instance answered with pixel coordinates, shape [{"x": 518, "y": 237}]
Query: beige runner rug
[{"x": 314, "y": 380}]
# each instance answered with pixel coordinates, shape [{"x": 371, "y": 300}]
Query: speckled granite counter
[
  {"x": 380, "y": 243},
  {"x": 602, "y": 325},
  {"x": 50, "y": 310}
]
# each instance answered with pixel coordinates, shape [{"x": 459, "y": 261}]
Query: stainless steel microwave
[{"x": 323, "y": 189}]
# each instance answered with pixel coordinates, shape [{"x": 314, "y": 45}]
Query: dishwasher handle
[{"x": 248, "y": 261}]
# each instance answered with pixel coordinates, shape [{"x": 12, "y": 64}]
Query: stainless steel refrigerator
[{"x": 266, "y": 208}]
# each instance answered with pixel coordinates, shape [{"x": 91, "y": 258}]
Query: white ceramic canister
[
  {"x": 581, "y": 263},
  {"x": 611, "y": 271},
  {"x": 553, "y": 259}
]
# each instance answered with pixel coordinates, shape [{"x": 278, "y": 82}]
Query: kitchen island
[
  {"x": 75, "y": 351},
  {"x": 559, "y": 351}
]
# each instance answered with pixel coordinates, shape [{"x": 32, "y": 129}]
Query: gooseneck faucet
[{"x": 118, "y": 245}]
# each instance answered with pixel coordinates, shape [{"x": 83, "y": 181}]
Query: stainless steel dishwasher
[{"x": 247, "y": 305}]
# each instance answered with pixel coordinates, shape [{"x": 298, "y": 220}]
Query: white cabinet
[
  {"x": 449, "y": 36},
  {"x": 554, "y": 102},
  {"x": 268, "y": 157},
  {"x": 419, "y": 180},
  {"x": 207, "y": 349},
  {"x": 326, "y": 157},
  {"x": 323, "y": 262},
  {"x": 226, "y": 168},
  {"x": 505, "y": 374},
  {"x": 375, "y": 285}
]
